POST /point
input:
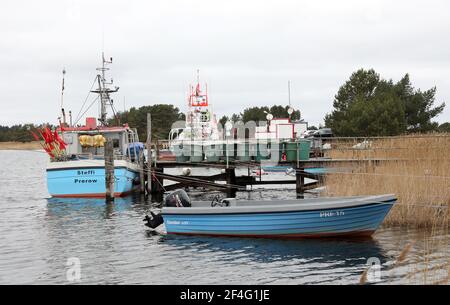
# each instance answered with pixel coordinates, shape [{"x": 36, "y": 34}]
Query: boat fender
[
  {"x": 186, "y": 171},
  {"x": 290, "y": 171},
  {"x": 154, "y": 221}
]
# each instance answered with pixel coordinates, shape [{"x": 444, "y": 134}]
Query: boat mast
[{"x": 103, "y": 90}]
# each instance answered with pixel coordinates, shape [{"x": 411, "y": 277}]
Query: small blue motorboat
[{"x": 298, "y": 218}]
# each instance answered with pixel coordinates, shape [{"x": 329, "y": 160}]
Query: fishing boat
[
  {"x": 300, "y": 218},
  {"x": 77, "y": 163}
]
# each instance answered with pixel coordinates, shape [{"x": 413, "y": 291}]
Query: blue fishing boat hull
[
  {"x": 89, "y": 181},
  {"x": 362, "y": 220}
]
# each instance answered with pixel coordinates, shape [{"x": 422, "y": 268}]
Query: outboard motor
[
  {"x": 154, "y": 221},
  {"x": 178, "y": 198}
]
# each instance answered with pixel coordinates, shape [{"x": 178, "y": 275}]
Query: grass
[{"x": 415, "y": 168}]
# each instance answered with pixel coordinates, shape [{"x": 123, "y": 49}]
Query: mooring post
[
  {"x": 141, "y": 171},
  {"x": 231, "y": 179},
  {"x": 249, "y": 177},
  {"x": 160, "y": 182},
  {"x": 156, "y": 151},
  {"x": 109, "y": 170},
  {"x": 300, "y": 180},
  {"x": 157, "y": 189},
  {"x": 149, "y": 152}
]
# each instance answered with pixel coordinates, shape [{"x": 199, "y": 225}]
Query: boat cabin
[
  {"x": 87, "y": 142},
  {"x": 281, "y": 129}
]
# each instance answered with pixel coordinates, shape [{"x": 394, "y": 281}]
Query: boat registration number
[
  {"x": 177, "y": 222},
  {"x": 332, "y": 213}
]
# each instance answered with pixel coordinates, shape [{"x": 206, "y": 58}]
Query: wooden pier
[
  {"x": 153, "y": 173},
  {"x": 228, "y": 182}
]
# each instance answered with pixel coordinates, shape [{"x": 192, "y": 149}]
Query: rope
[
  {"x": 78, "y": 115},
  {"x": 390, "y": 175},
  {"x": 159, "y": 182},
  {"x": 86, "y": 110},
  {"x": 429, "y": 206}
]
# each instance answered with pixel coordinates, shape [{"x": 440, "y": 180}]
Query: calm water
[{"x": 39, "y": 234}]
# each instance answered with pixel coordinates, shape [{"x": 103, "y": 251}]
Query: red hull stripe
[
  {"x": 286, "y": 236},
  {"x": 94, "y": 195}
]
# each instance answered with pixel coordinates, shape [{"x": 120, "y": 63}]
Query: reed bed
[
  {"x": 34, "y": 145},
  {"x": 415, "y": 168}
]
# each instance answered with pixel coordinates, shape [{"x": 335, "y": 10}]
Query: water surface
[{"x": 39, "y": 234}]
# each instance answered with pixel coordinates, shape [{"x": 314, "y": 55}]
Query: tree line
[
  {"x": 19, "y": 133},
  {"x": 365, "y": 105},
  {"x": 163, "y": 116},
  {"x": 368, "y": 105},
  {"x": 258, "y": 114}
]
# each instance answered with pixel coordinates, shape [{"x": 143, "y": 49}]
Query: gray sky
[{"x": 246, "y": 51}]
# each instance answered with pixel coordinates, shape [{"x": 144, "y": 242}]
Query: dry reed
[
  {"x": 402, "y": 257},
  {"x": 35, "y": 145},
  {"x": 414, "y": 168},
  {"x": 363, "y": 278}
]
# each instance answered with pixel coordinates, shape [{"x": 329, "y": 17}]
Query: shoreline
[{"x": 34, "y": 145}]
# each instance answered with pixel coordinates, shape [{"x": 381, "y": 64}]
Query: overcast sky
[{"x": 246, "y": 51}]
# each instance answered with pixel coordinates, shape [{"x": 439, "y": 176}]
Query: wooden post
[
  {"x": 157, "y": 189},
  {"x": 231, "y": 179},
  {"x": 109, "y": 170},
  {"x": 300, "y": 181},
  {"x": 149, "y": 152},
  {"x": 248, "y": 177},
  {"x": 156, "y": 151},
  {"x": 141, "y": 171},
  {"x": 160, "y": 184}
]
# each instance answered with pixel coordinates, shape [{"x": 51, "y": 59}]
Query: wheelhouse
[{"x": 87, "y": 142}]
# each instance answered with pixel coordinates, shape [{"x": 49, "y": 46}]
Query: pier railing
[{"x": 395, "y": 147}]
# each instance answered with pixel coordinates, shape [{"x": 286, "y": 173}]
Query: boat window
[
  {"x": 204, "y": 117},
  {"x": 116, "y": 143}
]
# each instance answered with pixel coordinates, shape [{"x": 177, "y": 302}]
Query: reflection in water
[
  {"x": 63, "y": 207},
  {"x": 351, "y": 252},
  {"x": 97, "y": 206}
]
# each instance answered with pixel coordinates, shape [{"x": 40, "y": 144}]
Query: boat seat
[{"x": 230, "y": 201}]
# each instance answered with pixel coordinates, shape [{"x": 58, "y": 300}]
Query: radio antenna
[{"x": 63, "y": 113}]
